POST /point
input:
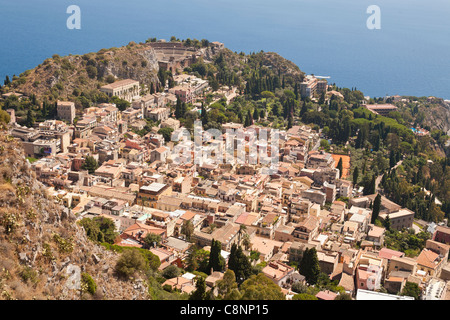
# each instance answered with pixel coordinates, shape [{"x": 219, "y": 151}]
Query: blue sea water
[{"x": 409, "y": 55}]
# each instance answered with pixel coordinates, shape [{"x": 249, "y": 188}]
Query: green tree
[
  {"x": 227, "y": 286},
  {"x": 170, "y": 272},
  {"x": 110, "y": 78},
  {"x": 376, "y": 208},
  {"x": 166, "y": 133},
  {"x": 197, "y": 259},
  {"x": 248, "y": 119},
  {"x": 204, "y": 115},
  {"x": 187, "y": 229},
  {"x": 309, "y": 266},
  {"x": 304, "y": 109},
  {"x": 387, "y": 222},
  {"x": 324, "y": 144},
  {"x": 322, "y": 98},
  {"x": 290, "y": 122},
  {"x": 200, "y": 290},
  {"x": 369, "y": 188},
  {"x": 99, "y": 229},
  {"x": 90, "y": 164},
  {"x": 129, "y": 263},
  {"x": 340, "y": 167},
  {"x": 259, "y": 287},
  {"x": 239, "y": 263},
  {"x": 392, "y": 161},
  {"x": 355, "y": 176},
  {"x": 151, "y": 239},
  {"x": 91, "y": 71},
  {"x": 4, "y": 117},
  {"x": 178, "y": 109},
  {"x": 121, "y": 104},
  {"x": 411, "y": 289},
  {"x": 29, "y": 122},
  {"x": 299, "y": 287},
  {"x": 216, "y": 261},
  {"x": 343, "y": 296}
]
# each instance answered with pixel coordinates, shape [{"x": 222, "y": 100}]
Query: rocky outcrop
[{"x": 43, "y": 251}]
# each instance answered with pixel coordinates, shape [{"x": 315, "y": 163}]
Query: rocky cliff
[{"x": 43, "y": 252}]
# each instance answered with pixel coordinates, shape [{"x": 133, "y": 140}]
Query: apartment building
[
  {"x": 312, "y": 85},
  {"x": 402, "y": 219},
  {"x": 149, "y": 195}
]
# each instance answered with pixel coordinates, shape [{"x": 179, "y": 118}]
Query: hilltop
[{"x": 70, "y": 76}]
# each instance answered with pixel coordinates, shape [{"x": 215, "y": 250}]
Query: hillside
[
  {"x": 41, "y": 245},
  {"x": 58, "y": 77},
  {"x": 430, "y": 112}
]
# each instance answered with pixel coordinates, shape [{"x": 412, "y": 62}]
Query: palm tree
[
  {"x": 246, "y": 241},
  {"x": 187, "y": 229},
  {"x": 242, "y": 229}
]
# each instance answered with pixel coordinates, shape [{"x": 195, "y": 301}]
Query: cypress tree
[
  {"x": 216, "y": 261},
  {"x": 340, "y": 167},
  {"x": 376, "y": 208},
  {"x": 309, "y": 266},
  {"x": 355, "y": 176},
  {"x": 304, "y": 109},
  {"x": 391, "y": 159},
  {"x": 239, "y": 263},
  {"x": 322, "y": 98},
  {"x": 178, "y": 109},
  {"x": 256, "y": 114},
  {"x": 369, "y": 188},
  {"x": 30, "y": 119},
  {"x": 204, "y": 115},
  {"x": 200, "y": 290},
  {"x": 290, "y": 122},
  {"x": 248, "y": 119},
  {"x": 387, "y": 223}
]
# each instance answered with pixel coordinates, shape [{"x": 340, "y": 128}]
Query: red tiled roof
[
  {"x": 386, "y": 253},
  {"x": 326, "y": 295}
]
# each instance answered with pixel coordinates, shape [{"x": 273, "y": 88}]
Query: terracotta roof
[
  {"x": 326, "y": 295},
  {"x": 443, "y": 229},
  {"x": 376, "y": 232},
  {"x": 386, "y": 253},
  {"x": 146, "y": 229},
  {"x": 347, "y": 282},
  {"x": 395, "y": 279},
  {"x": 310, "y": 223},
  {"x": 428, "y": 259}
]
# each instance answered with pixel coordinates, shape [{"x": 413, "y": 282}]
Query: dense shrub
[{"x": 88, "y": 283}]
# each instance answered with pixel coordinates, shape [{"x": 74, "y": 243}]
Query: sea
[{"x": 381, "y": 47}]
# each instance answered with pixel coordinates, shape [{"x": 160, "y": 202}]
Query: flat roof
[
  {"x": 155, "y": 187},
  {"x": 401, "y": 213},
  {"x": 119, "y": 83},
  {"x": 362, "y": 294}
]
